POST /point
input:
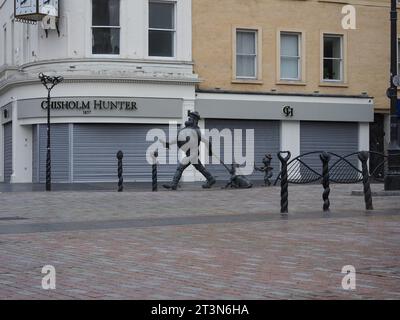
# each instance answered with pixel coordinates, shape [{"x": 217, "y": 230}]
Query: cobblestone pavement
[{"x": 221, "y": 244}]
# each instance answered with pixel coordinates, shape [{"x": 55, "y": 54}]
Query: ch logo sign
[{"x": 288, "y": 111}]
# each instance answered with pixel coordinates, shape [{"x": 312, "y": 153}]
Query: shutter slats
[
  {"x": 340, "y": 138},
  {"x": 266, "y": 140},
  {"x": 96, "y": 145},
  {"x": 7, "y": 151},
  {"x": 60, "y": 160}
]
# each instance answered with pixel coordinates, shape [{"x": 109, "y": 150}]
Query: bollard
[
  {"x": 325, "y": 157},
  {"x": 363, "y": 157},
  {"x": 48, "y": 164},
  {"x": 154, "y": 172},
  {"x": 284, "y": 180},
  {"x": 120, "y": 155}
]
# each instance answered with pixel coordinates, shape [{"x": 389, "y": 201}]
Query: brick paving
[{"x": 300, "y": 257}]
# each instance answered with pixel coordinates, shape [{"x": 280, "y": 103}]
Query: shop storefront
[
  {"x": 87, "y": 132},
  {"x": 296, "y": 123},
  {"x": 84, "y": 152}
]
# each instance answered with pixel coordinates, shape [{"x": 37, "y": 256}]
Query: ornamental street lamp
[
  {"x": 49, "y": 83},
  {"x": 392, "y": 178}
]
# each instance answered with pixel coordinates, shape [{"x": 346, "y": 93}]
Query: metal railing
[{"x": 306, "y": 168}]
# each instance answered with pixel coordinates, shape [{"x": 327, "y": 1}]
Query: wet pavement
[{"x": 213, "y": 244}]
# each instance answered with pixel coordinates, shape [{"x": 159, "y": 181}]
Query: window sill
[
  {"x": 247, "y": 81},
  {"x": 334, "y": 84},
  {"x": 291, "y": 82},
  {"x": 105, "y": 55},
  {"x": 161, "y": 58}
]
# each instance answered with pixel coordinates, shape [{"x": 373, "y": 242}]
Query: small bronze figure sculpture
[
  {"x": 191, "y": 132},
  {"x": 237, "y": 181},
  {"x": 267, "y": 169}
]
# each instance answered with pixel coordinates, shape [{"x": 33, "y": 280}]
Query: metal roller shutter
[
  {"x": 340, "y": 138},
  {"x": 60, "y": 155},
  {"x": 35, "y": 154},
  {"x": 266, "y": 140},
  {"x": 95, "y": 147},
  {"x": 7, "y": 151}
]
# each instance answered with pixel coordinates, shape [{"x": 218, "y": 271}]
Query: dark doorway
[{"x": 376, "y": 144}]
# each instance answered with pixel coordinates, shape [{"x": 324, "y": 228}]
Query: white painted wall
[
  {"x": 363, "y": 139},
  {"x": 363, "y": 136},
  {"x": 290, "y": 137},
  {"x": 22, "y": 150},
  {"x": 75, "y": 39},
  {"x": 70, "y": 54},
  {"x": 132, "y": 73}
]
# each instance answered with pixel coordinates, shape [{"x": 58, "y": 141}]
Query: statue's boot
[
  {"x": 177, "y": 177},
  {"x": 211, "y": 181},
  {"x": 170, "y": 186}
]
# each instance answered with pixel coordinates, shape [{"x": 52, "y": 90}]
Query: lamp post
[
  {"x": 49, "y": 83},
  {"x": 392, "y": 178}
]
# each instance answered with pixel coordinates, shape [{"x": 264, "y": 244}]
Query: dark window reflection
[
  {"x": 161, "y": 15},
  {"x": 161, "y": 43},
  {"x": 332, "y": 58},
  {"x": 332, "y": 47},
  {"x": 105, "y": 41},
  {"x": 161, "y": 29},
  {"x": 105, "y": 12}
]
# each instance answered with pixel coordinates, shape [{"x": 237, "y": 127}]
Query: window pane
[
  {"x": 246, "y": 42},
  {"x": 245, "y": 66},
  {"x": 105, "y": 41},
  {"x": 161, "y": 43},
  {"x": 332, "y": 69},
  {"x": 289, "y": 68},
  {"x": 105, "y": 12},
  {"x": 290, "y": 45},
  {"x": 332, "y": 47},
  {"x": 161, "y": 15}
]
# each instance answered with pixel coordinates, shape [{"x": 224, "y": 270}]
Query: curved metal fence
[{"x": 307, "y": 168}]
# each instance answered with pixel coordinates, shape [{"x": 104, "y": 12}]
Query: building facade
[
  {"x": 257, "y": 57},
  {"x": 127, "y": 68},
  {"x": 284, "y": 68}
]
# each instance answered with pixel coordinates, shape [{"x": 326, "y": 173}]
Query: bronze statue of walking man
[{"x": 188, "y": 140}]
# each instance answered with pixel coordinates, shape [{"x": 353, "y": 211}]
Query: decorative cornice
[
  {"x": 177, "y": 81},
  {"x": 5, "y": 67},
  {"x": 8, "y": 84},
  {"x": 285, "y": 94},
  {"x": 104, "y": 60},
  {"x": 113, "y": 70}
]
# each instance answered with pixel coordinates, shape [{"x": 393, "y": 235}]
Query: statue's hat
[{"x": 194, "y": 115}]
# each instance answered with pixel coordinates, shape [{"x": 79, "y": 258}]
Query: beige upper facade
[{"x": 364, "y": 51}]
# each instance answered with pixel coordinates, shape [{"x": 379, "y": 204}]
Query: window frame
[
  {"x": 341, "y": 59},
  {"x": 254, "y": 55},
  {"x": 173, "y": 31},
  {"x": 299, "y": 57},
  {"x": 99, "y": 55},
  {"x": 258, "y": 54}
]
